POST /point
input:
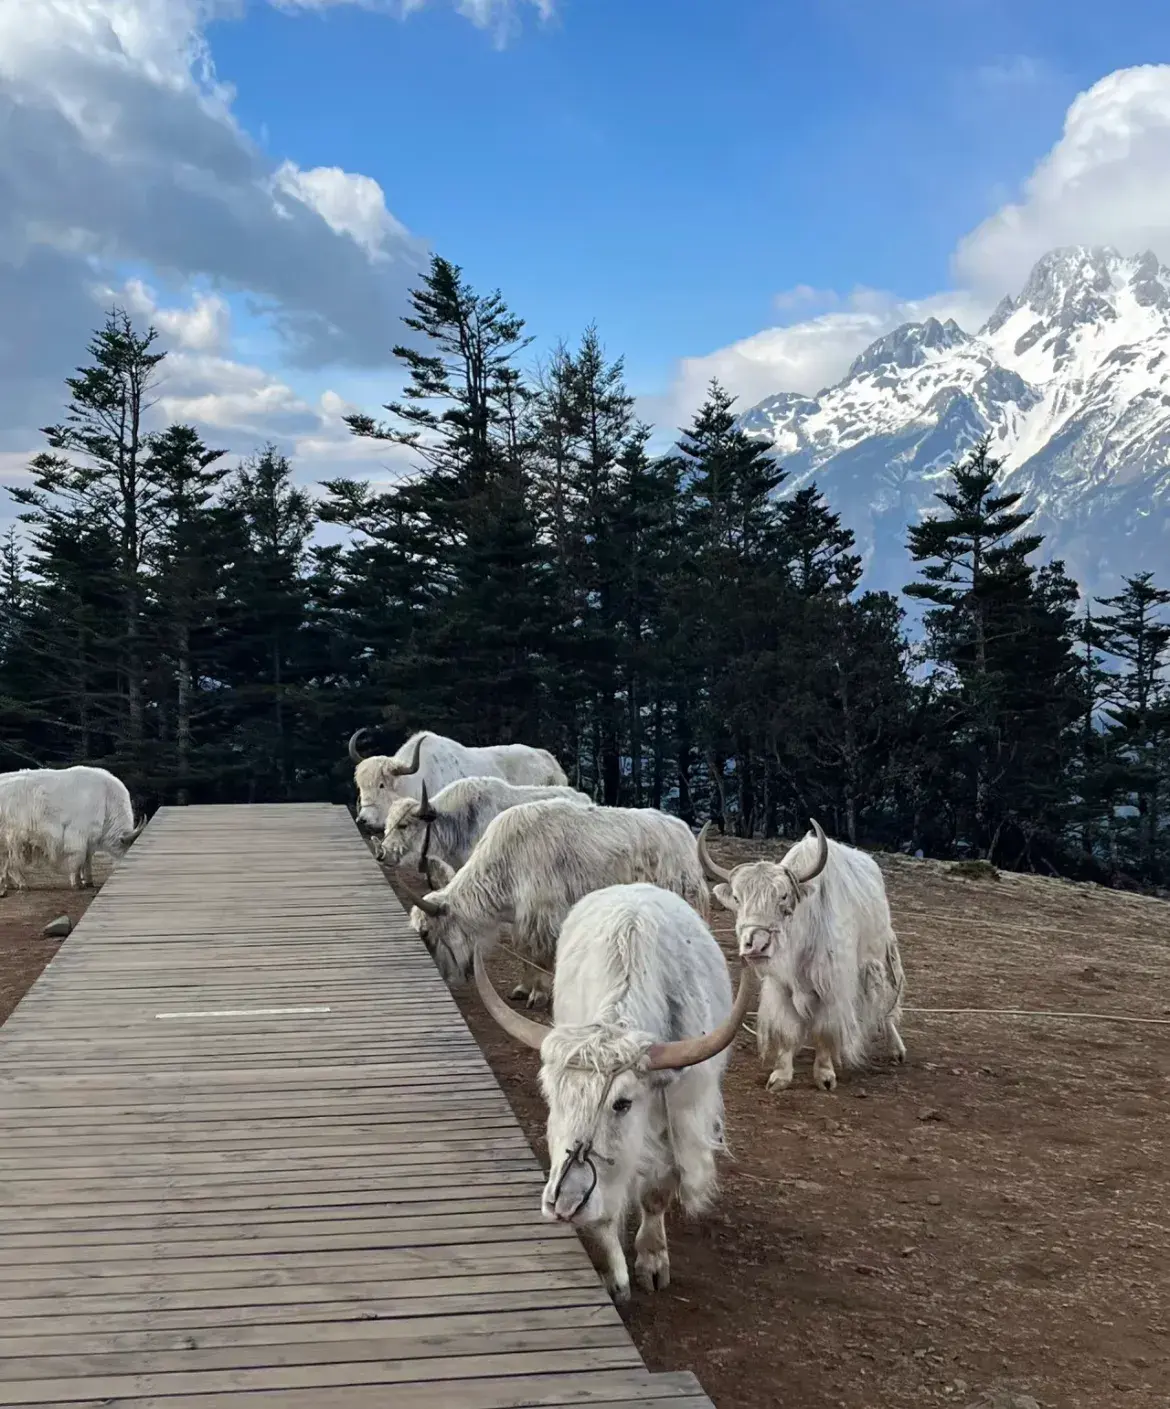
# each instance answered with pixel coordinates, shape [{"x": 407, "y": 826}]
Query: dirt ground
[
  {"x": 24, "y": 951},
  {"x": 993, "y": 1216}
]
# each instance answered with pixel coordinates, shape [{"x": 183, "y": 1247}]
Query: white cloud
[
  {"x": 1016, "y": 71},
  {"x": 240, "y": 402},
  {"x": 1103, "y": 183},
  {"x": 121, "y": 148},
  {"x": 499, "y": 16},
  {"x": 203, "y": 326},
  {"x": 349, "y": 203}
]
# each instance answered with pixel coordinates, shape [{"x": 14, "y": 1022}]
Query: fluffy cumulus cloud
[
  {"x": 1103, "y": 183},
  {"x": 121, "y": 149}
]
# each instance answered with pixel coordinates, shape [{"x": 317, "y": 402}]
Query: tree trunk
[
  {"x": 282, "y": 769},
  {"x": 686, "y": 800},
  {"x": 183, "y": 711},
  {"x": 656, "y": 776}
]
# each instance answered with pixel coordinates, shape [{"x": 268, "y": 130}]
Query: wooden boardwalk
[{"x": 252, "y": 1158}]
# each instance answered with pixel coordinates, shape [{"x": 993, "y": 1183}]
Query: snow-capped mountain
[{"x": 1072, "y": 381}]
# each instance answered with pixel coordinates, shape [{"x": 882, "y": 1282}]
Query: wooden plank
[{"x": 242, "y": 1205}]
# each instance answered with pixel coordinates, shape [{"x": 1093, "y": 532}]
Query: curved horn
[
  {"x": 428, "y": 907},
  {"x": 714, "y": 873},
  {"x": 405, "y": 772},
  {"x": 135, "y": 834},
  {"x": 822, "y": 857},
  {"x": 524, "y": 1030},
  {"x": 690, "y": 1051},
  {"x": 355, "y": 744},
  {"x": 426, "y": 813}
]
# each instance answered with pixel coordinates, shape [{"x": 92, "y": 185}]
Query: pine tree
[
  {"x": 186, "y": 553},
  {"x": 1135, "y": 631},
  {"x": 462, "y": 523},
  {"x": 727, "y": 599},
  {"x": 1005, "y": 634},
  {"x": 91, "y": 480},
  {"x": 820, "y": 550},
  {"x": 275, "y": 521}
]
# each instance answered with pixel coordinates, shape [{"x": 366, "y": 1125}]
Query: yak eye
[{"x": 622, "y": 1105}]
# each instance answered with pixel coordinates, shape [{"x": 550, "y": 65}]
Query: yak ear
[
  {"x": 722, "y": 894},
  {"x": 439, "y": 873}
]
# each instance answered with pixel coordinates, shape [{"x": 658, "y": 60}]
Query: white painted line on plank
[{"x": 242, "y": 1012}]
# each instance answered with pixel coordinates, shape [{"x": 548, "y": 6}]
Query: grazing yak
[
  {"x": 63, "y": 816},
  {"x": 436, "y": 761},
  {"x": 532, "y": 865},
  {"x": 634, "y": 1092},
  {"x": 449, "y": 825},
  {"x": 816, "y": 925}
]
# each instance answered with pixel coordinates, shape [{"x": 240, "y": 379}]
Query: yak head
[
  {"x": 763, "y": 895},
  {"x": 405, "y": 831},
  {"x": 435, "y": 918},
  {"x": 377, "y": 777}
]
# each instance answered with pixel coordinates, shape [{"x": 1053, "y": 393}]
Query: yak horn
[
  {"x": 405, "y": 772},
  {"x": 355, "y": 744},
  {"x": 426, "y": 813},
  {"x": 524, "y": 1030},
  {"x": 428, "y": 907},
  {"x": 714, "y": 873},
  {"x": 690, "y": 1051},
  {"x": 822, "y": 857},
  {"x": 135, "y": 834}
]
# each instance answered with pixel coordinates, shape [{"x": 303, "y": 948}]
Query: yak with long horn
[{"x": 632, "y": 1069}]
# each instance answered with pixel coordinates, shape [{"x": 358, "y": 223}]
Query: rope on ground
[{"x": 1042, "y": 1013}]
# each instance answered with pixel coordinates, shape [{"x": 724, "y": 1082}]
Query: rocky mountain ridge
[{"x": 1071, "y": 379}]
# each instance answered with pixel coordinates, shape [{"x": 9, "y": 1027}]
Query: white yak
[
  {"x": 449, "y": 825},
  {"x": 634, "y": 1092},
  {"x": 64, "y": 816},
  {"x": 532, "y": 865},
  {"x": 817, "y": 927},
  {"x": 436, "y": 761}
]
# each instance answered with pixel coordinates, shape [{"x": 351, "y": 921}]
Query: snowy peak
[
  {"x": 1071, "y": 380},
  {"x": 909, "y": 346}
]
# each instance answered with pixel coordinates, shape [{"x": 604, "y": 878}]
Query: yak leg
[
  {"x": 823, "y": 1073},
  {"x": 894, "y": 1044},
  {"x": 652, "y": 1259},
  {"x": 780, "y": 1032},
  {"x": 537, "y": 939},
  {"x": 534, "y": 989},
  {"x": 75, "y": 861},
  {"x": 604, "y": 1246}
]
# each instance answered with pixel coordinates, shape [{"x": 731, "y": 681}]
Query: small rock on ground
[
  {"x": 1004, "y": 1399},
  {"x": 58, "y": 928}
]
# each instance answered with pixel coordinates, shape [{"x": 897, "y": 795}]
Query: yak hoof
[
  {"x": 779, "y": 1081},
  {"x": 652, "y": 1270}
]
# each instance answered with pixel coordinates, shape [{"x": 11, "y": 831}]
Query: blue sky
[
  {"x": 667, "y": 166},
  {"x": 753, "y": 189}
]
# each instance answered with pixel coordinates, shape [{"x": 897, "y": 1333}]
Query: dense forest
[{"x": 676, "y": 631}]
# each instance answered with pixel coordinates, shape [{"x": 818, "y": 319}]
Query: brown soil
[
  {"x": 24, "y": 951},
  {"x": 994, "y": 1215}
]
